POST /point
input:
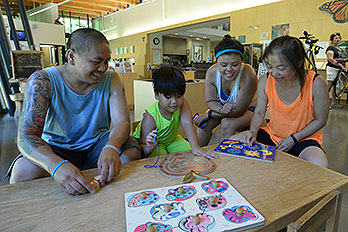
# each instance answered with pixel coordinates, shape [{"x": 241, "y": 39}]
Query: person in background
[
  {"x": 160, "y": 124},
  {"x": 67, "y": 113},
  {"x": 297, "y": 100},
  {"x": 336, "y": 61},
  {"x": 230, "y": 92}
]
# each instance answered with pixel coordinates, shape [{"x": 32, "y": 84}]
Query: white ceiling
[{"x": 201, "y": 30}]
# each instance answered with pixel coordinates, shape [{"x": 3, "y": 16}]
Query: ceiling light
[
  {"x": 176, "y": 33},
  {"x": 191, "y": 35}
]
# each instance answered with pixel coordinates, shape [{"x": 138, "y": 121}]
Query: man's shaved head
[{"x": 84, "y": 38}]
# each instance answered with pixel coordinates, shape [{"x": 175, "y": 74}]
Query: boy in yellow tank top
[{"x": 161, "y": 120}]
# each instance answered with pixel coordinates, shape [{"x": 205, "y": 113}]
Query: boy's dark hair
[
  {"x": 228, "y": 43},
  {"x": 83, "y": 38},
  {"x": 169, "y": 81},
  {"x": 292, "y": 50},
  {"x": 332, "y": 36}
]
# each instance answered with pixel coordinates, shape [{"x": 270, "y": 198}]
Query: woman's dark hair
[
  {"x": 292, "y": 50},
  {"x": 81, "y": 39},
  {"x": 332, "y": 36},
  {"x": 169, "y": 81},
  {"x": 228, "y": 43}
]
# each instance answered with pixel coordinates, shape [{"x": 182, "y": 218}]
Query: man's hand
[
  {"x": 109, "y": 165},
  {"x": 71, "y": 179}
]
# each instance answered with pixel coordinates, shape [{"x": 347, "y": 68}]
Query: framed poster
[
  {"x": 264, "y": 36},
  {"x": 132, "y": 49},
  {"x": 156, "y": 56},
  {"x": 242, "y": 38},
  {"x": 280, "y": 30},
  {"x": 125, "y": 50},
  {"x": 197, "y": 53}
]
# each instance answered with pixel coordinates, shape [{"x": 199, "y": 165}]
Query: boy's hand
[
  {"x": 152, "y": 139},
  {"x": 206, "y": 154}
]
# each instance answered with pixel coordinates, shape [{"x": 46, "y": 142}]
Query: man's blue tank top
[{"x": 73, "y": 121}]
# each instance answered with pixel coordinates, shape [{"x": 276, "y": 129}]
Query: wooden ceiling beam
[
  {"x": 101, "y": 3},
  {"x": 131, "y": 2},
  {"x": 78, "y": 7},
  {"x": 91, "y": 13}
]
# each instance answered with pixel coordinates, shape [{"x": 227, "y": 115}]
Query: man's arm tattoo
[{"x": 36, "y": 102}]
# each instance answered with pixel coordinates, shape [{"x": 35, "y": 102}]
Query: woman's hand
[
  {"x": 248, "y": 137},
  {"x": 200, "y": 119},
  {"x": 286, "y": 144}
]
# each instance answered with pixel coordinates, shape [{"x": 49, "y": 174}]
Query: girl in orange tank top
[{"x": 297, "y": 102}]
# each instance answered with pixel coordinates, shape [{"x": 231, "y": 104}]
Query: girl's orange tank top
[{"x": 289, "y": 119}]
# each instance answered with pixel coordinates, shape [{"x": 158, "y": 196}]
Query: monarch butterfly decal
[{"x": 338, "y": 9}]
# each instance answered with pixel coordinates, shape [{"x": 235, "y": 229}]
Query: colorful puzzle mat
[
  {"x": 212, "y": 205},
  {"x": 236, "y": 148}
]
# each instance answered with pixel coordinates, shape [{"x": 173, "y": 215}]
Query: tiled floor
[{"x": 335, "y": 144}]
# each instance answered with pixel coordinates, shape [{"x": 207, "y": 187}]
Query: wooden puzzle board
[
  {"x": 236, "y": 148},
  {"x": 186, "y": 203}
]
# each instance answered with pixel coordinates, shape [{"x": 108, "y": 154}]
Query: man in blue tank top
[{"x": 67, "y": 113}]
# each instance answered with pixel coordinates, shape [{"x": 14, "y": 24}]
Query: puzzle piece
[
  {"x": 181, "y": 193},
  {"x": 201, "y": 222},
  {"x": 239, "y": 214},
  {"x": 142, "y": 199},
  {"x": 214, "y": 186},
  {"x": 164, "y": 212},
  {"x": 211, "y": 203}
]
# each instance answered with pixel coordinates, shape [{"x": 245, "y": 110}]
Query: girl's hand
[
  {"x": 152, "y": 139},
  {"x": 203, "y": 153},
  {"x": 286, "y": 144},
  {"x": 248, "y": 137},
  {"x": 227, "y": 108}
]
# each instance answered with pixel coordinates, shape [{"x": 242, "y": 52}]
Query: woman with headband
[{"x": 230, "y": 92}]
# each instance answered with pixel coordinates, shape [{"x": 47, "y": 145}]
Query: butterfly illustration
[{"x": 338, "y": 9}]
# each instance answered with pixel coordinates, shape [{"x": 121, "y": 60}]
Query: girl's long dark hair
[{"x": 291, "y": 48}]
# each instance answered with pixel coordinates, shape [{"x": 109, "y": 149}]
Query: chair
[
  {"x": 18, "y": 99},
  {"x": 327, "y": 210},
  {"x": 134, "y": 125}
]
